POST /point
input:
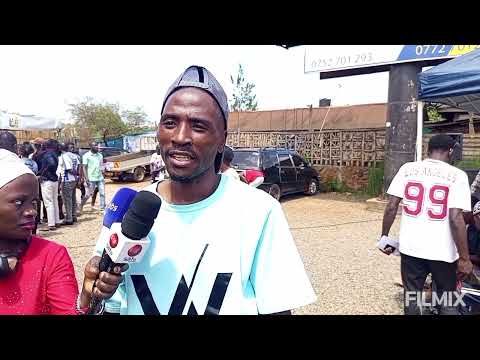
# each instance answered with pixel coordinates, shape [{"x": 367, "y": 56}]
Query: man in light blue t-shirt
[
  {"x": 218, "y": 246},
  {"x": 92, "y": 163}
]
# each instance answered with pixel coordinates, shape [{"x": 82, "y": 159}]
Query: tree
[
  {"x": 103, "y": 120},
  {"x": 136, "y": 121},
  {"x": 243, "y": 97},
  {"x": 431, "y": 110},
  {"x": 135, "y": 118}
]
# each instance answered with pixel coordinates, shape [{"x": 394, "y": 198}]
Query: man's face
[
  {"x": 190, "y": 134},
  {"x": 94, "y": 147},
  {"x": 70, "y": 148}
]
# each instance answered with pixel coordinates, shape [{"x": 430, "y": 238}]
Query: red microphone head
[
  {"x": 135, "y": 250},
  {"x": 113, "y": 241}
]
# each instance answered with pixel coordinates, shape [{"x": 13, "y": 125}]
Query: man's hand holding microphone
[
  {"x": 101, "y": 285},
  {"x": 126, "y": 243}
]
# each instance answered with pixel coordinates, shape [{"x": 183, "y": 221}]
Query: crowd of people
[{"x": 60, "y": 171}]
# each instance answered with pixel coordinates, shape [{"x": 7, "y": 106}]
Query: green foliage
[
  {"x": 103, "y": 119},
  {"x": 375, "y": 180},
  {"x": 338, "y": 186},
  {"x": 136, "y": 121},
  {"x": 106, "y": 121},
  {"x": 432, "y": 112},
  {"x": 243, "y": 97},
  {"x": 468, "y": 164}
]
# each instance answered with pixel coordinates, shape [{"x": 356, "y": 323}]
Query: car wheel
[
  {"x": 275, "y": 191},
  {"x": 139, "y": 174},
  {"x": 312, "y": 187}
]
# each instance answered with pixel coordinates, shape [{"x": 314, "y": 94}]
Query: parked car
[{"x": 284, "y": 171}]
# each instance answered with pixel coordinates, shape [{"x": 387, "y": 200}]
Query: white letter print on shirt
[{"x": 179, "y": 301}]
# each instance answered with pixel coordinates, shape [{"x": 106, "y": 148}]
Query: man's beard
[{"x": 188, "y": 179}]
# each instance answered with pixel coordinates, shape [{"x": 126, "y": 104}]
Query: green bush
[
  {"x": 336, "y": 186},
  {"x": 375, "y": 180},
  {"x": 468, "y": 164}
]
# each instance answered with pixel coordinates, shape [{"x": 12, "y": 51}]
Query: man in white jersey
[
  {"x": 195, "y": 263},
  {"x": 433, "y": 236}
]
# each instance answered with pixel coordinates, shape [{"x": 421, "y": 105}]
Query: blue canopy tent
[{"x": 455, "y": 83}]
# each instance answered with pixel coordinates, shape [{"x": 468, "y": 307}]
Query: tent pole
[{"x": 419, "y": 130}]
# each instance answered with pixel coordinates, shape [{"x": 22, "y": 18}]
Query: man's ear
[{"x": 222, "y": 146}]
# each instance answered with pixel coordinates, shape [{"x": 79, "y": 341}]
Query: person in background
[
  {"x": 92, "y": 163},
  {"x": 49, "y": 183},
  {"x": 68, "y": 177},
  {"x": 81, "y": 184},
  {"x": 38, "y": 151},
  {"x": 473, "y": 236},
  {"x": 475, "y": 187},
  {"x": 433, "y": 236},
  {"x": 24, "y": 151},
  {"x": 8, "y": 141},
  {"x": 37, "y": 276},
  {"x": 225, "y": 168},
  {"x": 157, "y": 165},
  {"x": 61, "y": 215}
]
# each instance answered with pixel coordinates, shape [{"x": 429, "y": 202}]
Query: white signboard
[
  {"x": 25, "y": 122},
  {"x": 323, "y": 58}
]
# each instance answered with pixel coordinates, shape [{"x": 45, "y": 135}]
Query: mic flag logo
[
  {"x": 114, "y": 241},
  {"x": 134, "y": 250},
  {"x": 178, "y": 305}
]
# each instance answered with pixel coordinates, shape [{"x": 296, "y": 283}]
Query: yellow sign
[{"x": 462, "y": 49}]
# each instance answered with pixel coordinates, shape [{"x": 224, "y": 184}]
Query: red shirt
[
  {"x": 43, "y": 283},
  {"x": 251, "y": 175}
]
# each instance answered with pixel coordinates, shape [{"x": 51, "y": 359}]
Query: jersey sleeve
[
  {"x": 397, "y": 186},
  {"x": 460, "y": 197},
  {"x": 278, "y": 275}
]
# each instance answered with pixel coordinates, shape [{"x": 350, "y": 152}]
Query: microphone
[
  {"x": 115, "y": 211},
  {"x": 128, "y": 241}
]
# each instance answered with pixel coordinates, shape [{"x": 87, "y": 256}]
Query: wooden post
[{"x": 471, "y": 127}]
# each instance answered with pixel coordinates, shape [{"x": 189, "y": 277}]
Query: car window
[
  {"x": 245, "y": 159},
  {"x": 298, "y": 161},
  {"x": 270, "y": 159},
  {"x": 285, "y": 160}
]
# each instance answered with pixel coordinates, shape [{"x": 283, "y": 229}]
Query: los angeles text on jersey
[{"x": 420, "y": 170}]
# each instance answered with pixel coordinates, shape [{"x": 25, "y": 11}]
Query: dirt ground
[{"x": 335, "y": 236}]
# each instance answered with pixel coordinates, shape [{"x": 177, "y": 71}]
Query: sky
[{"x": 42, "y": 80}]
